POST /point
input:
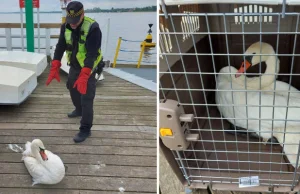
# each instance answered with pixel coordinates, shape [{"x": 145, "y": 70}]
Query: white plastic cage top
[{"x": 197, "y": 44}]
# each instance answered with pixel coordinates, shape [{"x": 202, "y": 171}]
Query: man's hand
[
  {"x": 54, "y": 72},
  {"x": 82, "y": 80}
]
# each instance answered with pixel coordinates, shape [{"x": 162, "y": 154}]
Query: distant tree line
[{"x": 137, "y": 9}]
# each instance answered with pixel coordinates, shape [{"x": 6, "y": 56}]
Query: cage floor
[{"x": 233, "y": 155}]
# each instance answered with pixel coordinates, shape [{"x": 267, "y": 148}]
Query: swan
[
  {"x": 44, "y": 166},
  {"x": 237, "y": 78}
]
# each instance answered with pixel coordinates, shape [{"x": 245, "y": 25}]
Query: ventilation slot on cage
[
  {"x": 189, "y": 24},
  {"x": 252, "y": 9}
]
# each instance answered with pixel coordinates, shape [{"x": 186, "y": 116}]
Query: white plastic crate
[
  {"x": 197, "y": 40},
  {"x": 35, "y": 62},
  {"x": 16, "y": 84}
]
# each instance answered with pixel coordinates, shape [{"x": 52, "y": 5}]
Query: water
[{"x": 129, "y": 25}]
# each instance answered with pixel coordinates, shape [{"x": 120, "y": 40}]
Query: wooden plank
[
  {"x": 55, "y": 115},
  {"x": 108, "y": 128},
  {"x": 96, "y": 107},
  {"x": 83, "y": 182},
  {"x": 27, "y": 106},
  {"x": 96, "y": 103},
  {"x": 69, "y": 141},
  {"x": 97, "y": 97},
  {"x": 77, "y": 121},
  {"x": 101, "y": 92},
  {"x": 104, "y": 110},
  {"x": 35, "y": 99},
  {"x": 101, "y": 88},
  {"x": 116, "y": 160},
  {"x": 71, "y": 133},
  {"x": 89, "y": 170},
  {"x": 86, "y": 149},
  {"x": 56, "y": 191},
  {"x": 64, "y": 112},
  {"x": 107, "y": 87},
  {"x": 107, "y": 93}
]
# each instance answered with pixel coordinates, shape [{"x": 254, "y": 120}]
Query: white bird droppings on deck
[{"x": 121, "y": 189}]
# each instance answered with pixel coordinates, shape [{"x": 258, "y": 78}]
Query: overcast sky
[{"x": 54, "y": 5}]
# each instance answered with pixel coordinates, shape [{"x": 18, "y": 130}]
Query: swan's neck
[
  {"x": 264, "y": 80},
  {"x": 36, "y": 153}
]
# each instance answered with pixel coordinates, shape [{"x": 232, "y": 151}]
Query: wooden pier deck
[{"x": 119, "y": 157}]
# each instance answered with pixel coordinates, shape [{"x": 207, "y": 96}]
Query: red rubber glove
[
  {"x": 82, "y": 80},
  {"x": 54, "y": 72}
]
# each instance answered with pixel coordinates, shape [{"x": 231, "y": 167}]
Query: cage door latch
[{"x": 174, "y": 126}]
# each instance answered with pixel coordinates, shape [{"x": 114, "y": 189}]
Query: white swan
[
  {"x": 44, "y": 166},
  {"x": 253, "y": 98}
]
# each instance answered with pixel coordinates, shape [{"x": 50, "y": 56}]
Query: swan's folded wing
[
  {"x": 274, "y": 112},
  {"x": 35, "y": 169},
  {"x": 283, "y": 89}
]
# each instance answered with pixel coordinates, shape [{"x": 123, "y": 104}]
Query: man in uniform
[{"x": 81, "y": 38}]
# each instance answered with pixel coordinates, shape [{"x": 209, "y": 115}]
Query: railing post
[
  {"x": 117, "y": 52},
  {"x": 22, "y": 32},
  {"x": 141, "y": 55},
  {"x": 48, "y": 38},
  {"x": 8, "y": 39},
  {"x": 29, "y": 25},
  {"x": 38, "y": 23},
  {"x": 107, "y": 35}
]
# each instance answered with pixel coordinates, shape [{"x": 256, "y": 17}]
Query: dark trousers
[{"x": 83, "y": 103}]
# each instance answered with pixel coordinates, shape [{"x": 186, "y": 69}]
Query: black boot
[
  {"x": 74, "y": 114},
  {"x": 81, "y": 136}
]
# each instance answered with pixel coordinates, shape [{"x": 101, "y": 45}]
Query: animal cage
[{"x": 229, "y": 93}]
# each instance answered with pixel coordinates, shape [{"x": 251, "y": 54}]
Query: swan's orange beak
[
  {"x": 43, "y": 155},
  {"x": 243, "y": 68}
]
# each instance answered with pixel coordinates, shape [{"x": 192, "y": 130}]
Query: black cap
[{"x": 74, "y": 12}]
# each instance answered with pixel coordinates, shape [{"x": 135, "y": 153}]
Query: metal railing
[
  {"x": 141, "y": 52},
  {"x": 47, "y": 36}
]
